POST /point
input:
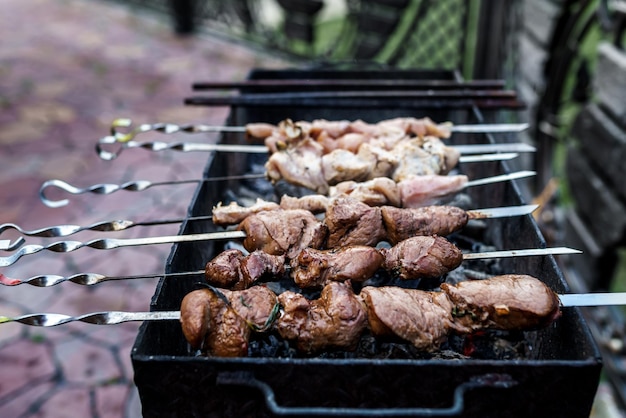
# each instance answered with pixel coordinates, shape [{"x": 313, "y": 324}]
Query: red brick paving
[{"x": 67, "y": 69}]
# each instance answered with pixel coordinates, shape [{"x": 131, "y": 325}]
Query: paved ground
[{"x": 67, "y": 69}]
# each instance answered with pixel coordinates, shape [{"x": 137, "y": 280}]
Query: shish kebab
[
  {"x": 415, "y": 186},
  {"x": 304, "y": 161},
  {"x": 261, "y": 131},
  {"x": 286, "y": 232},
  {"x": 338, "y": 317}
]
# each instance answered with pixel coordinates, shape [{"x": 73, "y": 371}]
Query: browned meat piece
[
  {"x": 281, "y": 231},
  {"x": 287, "y": 134},
  {"x": 335, "y": 320},
  {"x": 376, "y": 192},
  {"x": 223, "y": 328},
  {"x": 415, "y": 160},
  {"x": 341, "y": 165},
  {"x": 418, "y": 191},
  {"x": 315, "y": 203},
  {"x": 351, "y": 222},
  {"x": 421, "y": 257},
  {"x": 421, "y": 318},
  {"x": 232, "y": 270},
  {"x": 300, "y": 165},
  {"x": 259, "y": 130},
  {"x": 225, "y": 269},
  {"x": 401, "y": 224},
  {"x": 382, "y": 161},
  {"x": 449, "y": 156},
  {"x": 233, "y": 214},
  {"x": 333, "y": 129},
  {"x": 312, "y": 268},
  {"x": 350, "y": 141},
  {"x": 510, "y": 302},
  {"x": 259, "y": 265}
]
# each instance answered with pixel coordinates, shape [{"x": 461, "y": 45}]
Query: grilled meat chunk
[
  {"x": 418, "y": 191},
  {"x": 402, "y": 224},
  {"x": 312, "y": 268},
  {"x": 351, "y": 222},
  {"x": 509, "y": 302},
  {"x": 335, "y": 320},
  {"x": 232, "y": 270},
  {"x": 376, "y": 192},
  {"x": 220, "y": 324},
  {"x": 422, "y": 318},
  {"x": 314, "y": 203},
  {"x": 422, "y": 256},
  {"x": 301, "y": 165},
  {"x": 232, "y": 213},
  {"x": 341, "y": 165},
  {"x": 225, "y": 270},
  {"x": 281, "y": 231}
]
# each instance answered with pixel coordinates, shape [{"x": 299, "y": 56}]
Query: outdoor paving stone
[
  {"x": 22, "y": 363},
  {"x": 11, "y": 331},
  {"x": 111, "y": 400},
  {"x": 70, "y": 402},
  {"x": 20, "y": 405},
  {"x": 86, "y": 363}
]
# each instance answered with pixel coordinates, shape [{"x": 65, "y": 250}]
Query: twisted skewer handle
[
  {"x": 86, "y": 279},
  {"x": 66, "y": 230},
  {"x": 111, "y": 154},
  {"x": 132, "y": 186},
  {"x": 96, "y": 318},
  {"x": 110, "y": 243}
]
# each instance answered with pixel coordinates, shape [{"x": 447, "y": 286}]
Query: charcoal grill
[{"x": 557, "y": 376}]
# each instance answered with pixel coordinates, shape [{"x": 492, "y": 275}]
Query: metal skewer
[
  {"x": 170, "y": 128},
  {"x": 125, "y": 140},
  {"x": 140, "y": 185},
  {"x": 131, "y": 186},
  {"x": 86, "y": 279},
  {"x": 106, "y": 226},
  {"x": 500, "y": 212},
  {"x": 112, "y": 243},
  {"x": 117, "y": 317},
  {"x": 120, "y": 225},
  {"x": 89, "y": 279},
  {"x": 262, "y": 149}
]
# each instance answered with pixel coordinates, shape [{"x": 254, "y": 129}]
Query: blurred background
[{"x": 68, "y": 68}]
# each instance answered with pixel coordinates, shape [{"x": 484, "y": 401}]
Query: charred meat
[
  {"x": 420, "y": 257},
  {"x": 220, "y": 323},
  {"x": 335, "y": 320},
  {"x": 312, "y": 268},
  {"x": 232, "y": 270}
]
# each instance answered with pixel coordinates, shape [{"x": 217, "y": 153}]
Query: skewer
[
  {"x": 156, "y": 146},
  {"x": 86, "y": 279},
  {"x": 169, "y": 128},
  {"x": 112, "y": 243},
  {"x": 131, "y": 186},
  {"x": 117, "y": 317},
  {"x": 119, "y": 225},
  {"x": 140, "y": 185},
  {"x": 106, "y": 226},
  {"x": 89, "y": 279},
  {"x": 126, "y": 138}
]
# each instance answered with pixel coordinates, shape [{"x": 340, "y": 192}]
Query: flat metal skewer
[
  {"x": 117, "y": 317},
  {"x": 89, "y": 279},
  {"x": 156, "y": 146},
  {"x": 131, "y": 186},
  {"x": 499, "y": 212},
  {"x": 123, "y": 224},
  {"x": 140, "y": 185},
  {"x": 170, "y": 128}
]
